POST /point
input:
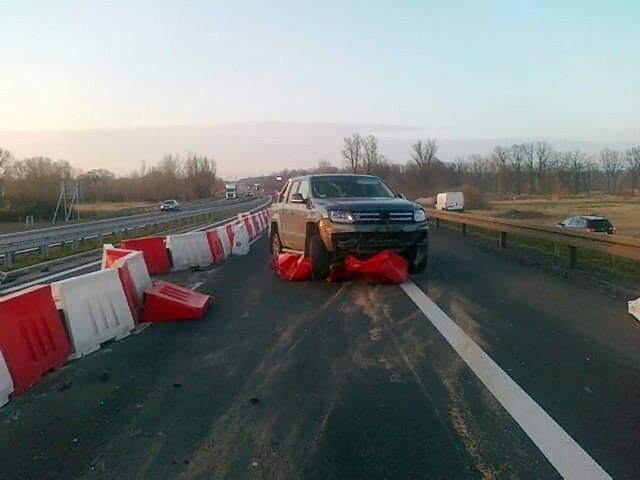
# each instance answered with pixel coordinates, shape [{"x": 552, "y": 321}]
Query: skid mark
[{"x": 247, "y": 432}]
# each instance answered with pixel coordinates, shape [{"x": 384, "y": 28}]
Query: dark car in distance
[
  {"x": 170, "y": 206},
  {"x": 328, "y": 217},
  {"x": 589, "y": 224}
]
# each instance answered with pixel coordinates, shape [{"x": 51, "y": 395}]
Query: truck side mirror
[{"x": 297, "y": 198}]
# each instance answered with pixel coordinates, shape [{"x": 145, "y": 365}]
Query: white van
[{"x": 450, "y": 201}]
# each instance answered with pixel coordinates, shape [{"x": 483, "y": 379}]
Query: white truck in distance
[
  {"x": 450, "y": 201},
  {"x": 231, "y": 192}
]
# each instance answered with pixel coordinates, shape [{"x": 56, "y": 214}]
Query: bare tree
[
  {"x": 371, "y": 157},
  {"x": 500, "y": 157},
  {"x": 5, "y": 158},
  {"x": 577, "y": 161},
  {"x": 633, "y": 166},
  {"x": 324, "y": 166},
  {"x": 590, "y": 171},
  {"x": 517, "y": 158},
  {"x": 544, "y": 159},
  {"x": 352, "y": 152},
  {"x": 611, "y": 161},
  {"x": 424, "y": 152},
  {"x": 528, "y": 152}
]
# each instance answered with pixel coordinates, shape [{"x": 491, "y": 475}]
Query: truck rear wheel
[{"x": 319, "y": 258}]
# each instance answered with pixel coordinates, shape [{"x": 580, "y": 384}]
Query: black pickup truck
[{"x": 328, "y": 217}]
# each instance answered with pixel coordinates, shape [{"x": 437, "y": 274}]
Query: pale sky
[{"x": 76, "y": 73}]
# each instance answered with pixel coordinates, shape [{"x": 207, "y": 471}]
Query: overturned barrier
[
  {"x": 189, "y": 250},
  {"x": 166, "y": 302},
  {"x": 293, "y": 267},
  {"x": 6, "y": 383},
  {"x": 384, "y": 267},
  {"x": 154, "y": 252},
  {"x": 95, "y": 309},
  {"x": 32, "y": 336}
]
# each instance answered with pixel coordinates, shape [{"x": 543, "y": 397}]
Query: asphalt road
[{"x": 336, "y": 381}]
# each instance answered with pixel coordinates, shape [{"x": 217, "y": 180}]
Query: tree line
[
  {"x": 533, "y": 168},
  {"x": 32, "y": 186}
]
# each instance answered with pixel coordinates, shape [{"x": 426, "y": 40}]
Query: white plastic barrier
[
  {"x": 245, "y": 218},
  {"x": 261, "y": 220},
  {"x": 189, "y": 250},
  {"x": 6, "y": 382},
  {"x": 240, "y": 240},
  {"x": 225, "y": 240},
  {"x": 139, "y": 274},
  {"x": 634, "y": 308},
  {"x": 95, "y": 309}
]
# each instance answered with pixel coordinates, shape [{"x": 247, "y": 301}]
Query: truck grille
[{"x": 383, "y": 217}]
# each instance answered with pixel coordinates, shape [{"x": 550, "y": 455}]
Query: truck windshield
[{"x": 341, "y": 186}]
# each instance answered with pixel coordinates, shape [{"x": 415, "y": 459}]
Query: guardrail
[
  {"x": 41, "y": 240},
  {"x": 620, "y": 246}
]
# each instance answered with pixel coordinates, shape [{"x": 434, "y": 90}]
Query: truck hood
[{"x": 366, "y": 204}]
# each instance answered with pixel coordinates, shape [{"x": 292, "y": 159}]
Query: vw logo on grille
[{"x": 384, "y": 217}]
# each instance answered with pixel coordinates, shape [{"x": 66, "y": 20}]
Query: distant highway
[
  {"x": 320, "y": 380},
  {"x": 41, "y": 239}
]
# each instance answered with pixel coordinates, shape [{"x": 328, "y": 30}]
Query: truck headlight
[
  {"x": 341, "y": 216},
  {"x": 419, "y": 215}
]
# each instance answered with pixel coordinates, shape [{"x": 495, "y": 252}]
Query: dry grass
[
  {"x": 624, "y": 213},
  {"x": 113, "y": 207}
]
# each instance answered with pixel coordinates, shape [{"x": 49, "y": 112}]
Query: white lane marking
[
  {"x": 196, "y": 285},
  {"x": 53, "y": 276},
  {"x": 562, "y": 451}
]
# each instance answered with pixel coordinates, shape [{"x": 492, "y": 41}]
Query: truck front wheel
[
  {"x": 417, "y": 259},
  {"x": 319, "y": 258}
]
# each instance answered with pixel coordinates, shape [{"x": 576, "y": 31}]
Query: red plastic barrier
[
  {"x": 111, "y": 254},
  {"x": 32, "y": 337},
  {"x": 166, "y": 302},
  {"x": 386, "y": 267},
  {"x": 215, "y": 245},
  {"x": 249, "y": 225},
  {"x": 256, "y": 226},
  {"x": 337, "y": 273},
  {"x": 154, "y": 251},
  {"x": 129, "y": 288},
  {"x": 293, "y": 267},
  {"x": 230, "y": 234}
]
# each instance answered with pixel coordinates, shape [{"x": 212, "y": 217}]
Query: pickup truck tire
[
  {"x": 319, "y": 258},
  {"x": 276, "y": 245},
  {"x": 419, "y": 267},
  {"x": 416, "y": 267}
]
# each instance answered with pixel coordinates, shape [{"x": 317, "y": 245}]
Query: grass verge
[{"x": 559, "y": 252}]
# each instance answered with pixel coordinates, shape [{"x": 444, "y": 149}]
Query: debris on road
[
  {"x": 384, "y": 267},
  {"x": 293, "y": 267}
]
